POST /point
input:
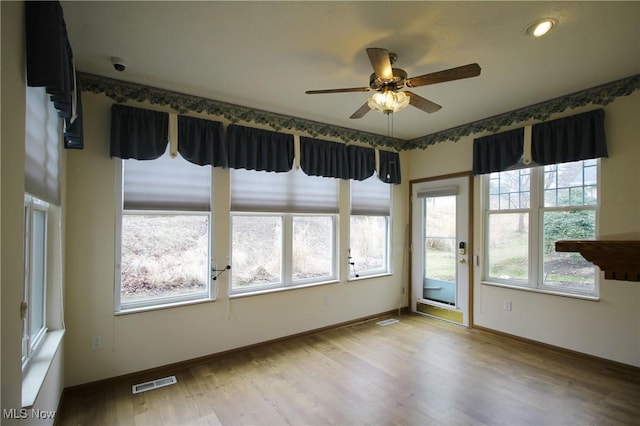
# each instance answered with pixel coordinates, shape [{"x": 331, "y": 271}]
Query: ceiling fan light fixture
[
  {"x": 388, "y": 101},
  {"x": 541, "y": 27}
]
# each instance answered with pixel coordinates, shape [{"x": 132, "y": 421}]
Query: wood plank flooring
[{"x": 418, "y": 371}]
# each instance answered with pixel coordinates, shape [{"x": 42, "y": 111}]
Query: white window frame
[
  {"x": 163, "y": 301},
  {"x": 31, "y": 343},
  {"x": 286, "y": 251},
  {"x": 368, "y": 273},
  {"x": 371, "y": 211},
  {"x": 536, "y": 212}
]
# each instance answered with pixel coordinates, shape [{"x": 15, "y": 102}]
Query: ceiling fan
[{"x": 386, "y": 82}]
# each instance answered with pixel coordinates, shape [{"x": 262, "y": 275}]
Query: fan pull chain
[
  {"x": 390, "y": 125},
  {"x": 389, "y": 133},
  {"x": 392, "y": 114}
]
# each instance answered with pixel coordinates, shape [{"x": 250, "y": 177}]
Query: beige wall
[
  {"x": 12, "y": 170},
  {"x": 609, "y": 328},
  {"x": 12, "y": 199},
  {"x": 140, "y": 341}
]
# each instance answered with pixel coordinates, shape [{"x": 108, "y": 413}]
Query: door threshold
[{"x": 440, "y": 311}]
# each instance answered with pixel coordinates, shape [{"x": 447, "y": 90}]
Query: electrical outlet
[
  {"x": 96, "y": 343},
  {"x": 506, "y": 305}
]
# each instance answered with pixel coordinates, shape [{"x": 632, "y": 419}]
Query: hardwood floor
[{"x": 417, "y": 371}]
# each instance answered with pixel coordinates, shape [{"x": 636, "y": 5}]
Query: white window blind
[
  {"x": 438, "y": 192},
  {"x": 370, "y": 197},
  {"x": 166, "y": 184},
  {"x": 292, "y": 191},
  {"x": 42, "y": 146}
]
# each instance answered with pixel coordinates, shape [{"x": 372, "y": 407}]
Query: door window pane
[
  {"x": 440, "y": 263},
  {"x": 440, "y": 237}
]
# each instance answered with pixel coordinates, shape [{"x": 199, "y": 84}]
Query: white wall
[
  {"x": 141, "y": 341},
  {"x": 12, "y": 151},
  {"x": 609, "y": 328}
]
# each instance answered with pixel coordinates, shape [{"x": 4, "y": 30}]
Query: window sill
[
  {"x": 364, "y": 277},
  {"x": 549, "y": 292},
  {"x": 39, "y": 366},
  {"x": 258, "y": 292},
  {"x": 140, "y": 309}
]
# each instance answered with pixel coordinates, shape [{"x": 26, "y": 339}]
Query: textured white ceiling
[{"x": 266, "y": 54}]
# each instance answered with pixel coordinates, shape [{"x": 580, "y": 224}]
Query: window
[
  {"x": 283, "y": 229},
  {"x": 369, "y": 227},
  {"x": 165, "y": 232},
  {"x": 164, "y": 256},
  {"x": 257, "y": 250},
  {"x": 283, "y": 250},
  {"x": 312, "y": 248},
  {"x": 34, "y": 305},
  {"x": 42, "y": 195},
  {"x": 527, "y": 211}
]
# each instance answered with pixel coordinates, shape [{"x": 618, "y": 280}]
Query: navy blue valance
[
  {"x": 136, "y": 133},
  {"x": 50, "y": 65},
  {"x": 389, "y": 168},
  {"x": 324, "y": 158},
  {"x": 574, "y": 138},
  {"x": 258, "y": 149},
  {"x": 362, "y": 162},
  {"x": 336, "y": 160},
  {"x": 201, "y": 141},
  {"x": 495, "y": 153}
]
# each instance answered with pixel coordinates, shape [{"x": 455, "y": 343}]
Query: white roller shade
[
  {"x": 42, "y": 146},
  {"x": 291, "y": 191},
  {"x": 166, "y": 184},
  {"x": 370, "y": 197},
  {"x": 438, "y": 192}
]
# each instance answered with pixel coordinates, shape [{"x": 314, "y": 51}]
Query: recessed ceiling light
[{"x": 541, "y": 27}]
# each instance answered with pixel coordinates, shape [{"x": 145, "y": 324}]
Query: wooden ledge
[{"x": 619, "y": 259}]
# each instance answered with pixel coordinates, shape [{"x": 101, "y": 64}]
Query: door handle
[{"x": 462, "y": 261}]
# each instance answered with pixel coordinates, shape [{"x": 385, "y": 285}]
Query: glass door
[{"x": 440, "y": 244}]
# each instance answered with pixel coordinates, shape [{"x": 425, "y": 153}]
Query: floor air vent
[
  {"x": 387, "y": 321},
  {"x": 154, "y": 384}
]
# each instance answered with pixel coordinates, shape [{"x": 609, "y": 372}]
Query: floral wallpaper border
[
  {"x": 121, "y": 91},
  {"x": 597, "y": 96}
]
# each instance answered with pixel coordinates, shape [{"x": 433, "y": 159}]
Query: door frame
[{"x": 470, "y": 245}]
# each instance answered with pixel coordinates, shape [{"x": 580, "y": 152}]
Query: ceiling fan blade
[
  {"x": 381, "y": 63},
  {"x": 347, "y": 90},
  {"x": 422, "y": 103},
  {"x": 465, "y": 71},
  {"x": 361, "y": 111}
]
